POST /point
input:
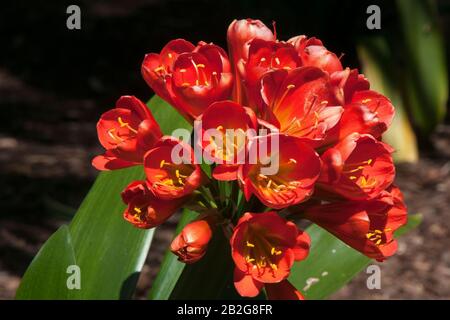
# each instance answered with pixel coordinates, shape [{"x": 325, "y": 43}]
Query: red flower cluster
[{"x": 318, "y": 121}]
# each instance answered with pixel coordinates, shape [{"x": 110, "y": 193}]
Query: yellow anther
[
  {"x": 112, "y": 135},
  {"x": 160, "y": 68},
  {"x": 250, "y": 245},
  {"x": 168, "y": 182},
  {"x": 352, "y": 178},
  {"x": 274, "y": 266},
  {"x": 367, "y": 183},
  {"x": 200, "y": 65},
  {"x": 277, "y": 60},
  {"x": 269, "y": 183},
  {"x": 290, "y": 86},
  {"x": 121, "y": 122},
  {"x": 182, "y": 70},
  {"x": 369, "y": 161},
  {"x": 262, "y": 59},
  {"x": 248, "y": 259},
  {"x": 275, "y": 251},
  {"x": 366, "y": 100},
  {"x": 170, "y": 55},
  {"x": 162, "y": 163},
  {"x": 138, "y": 210}
]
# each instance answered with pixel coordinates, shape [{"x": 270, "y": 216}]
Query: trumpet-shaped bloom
[
  {"x": 126, "y": 132},
  {"x": 157, "y": 68},
  {"x": 367, "y": 113},
  {"x": 314, "y": 54},
  {"x": 367, "y": 226},
  {"x": 191, "y": 244},
  {"x": 264, "y": 247},
  {"x": 224, "y": 139},
  {"x": 359, "y": 167},
  {"x": 284, "y": 172},
  {"x": 346, "y": 83},
  {"x": 300, "y": 103},
  {"x": 265, "y": 56},
  {"x": 190, "y": 78},
  {"x": 170, "y": 169},
  {"x": 240, "y": 34},
  {"x": 144, "y": 210}
]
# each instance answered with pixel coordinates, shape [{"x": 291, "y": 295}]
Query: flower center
[
  {"x": 175, "y": 175},
  {"x": 260, "y": 253},
  {"x": 229, "y": 144},
  {"x": 376, "y": 236},
  {"x": 277, "y": 186},
  {"x": 118, "y": 134},
  {"x": 354, "y": 172}
]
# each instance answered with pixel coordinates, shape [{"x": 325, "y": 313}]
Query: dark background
[{"x": 55, "y": 83}]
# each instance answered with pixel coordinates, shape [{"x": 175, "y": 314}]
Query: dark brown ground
[{"x": 54, "y": 84}]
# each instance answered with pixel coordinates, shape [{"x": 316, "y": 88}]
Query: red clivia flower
[
  {"x": 367, "y": 113},
  {"x": 265, "y": 56},
  {"x": 264, "y": 247},
  {"x": 190, "y": 78},
  {"x": 282, "y": 173},
  {"x": 359, "y": 167},
  {"x": 300, "y": 103},
  {"x": 170, "y": 169},
  {"x": 367, "y": 226},
  {"x": 157, "y": 69},
  {"x": 144, "y": 210},
  {"x": 126, "y": 132},
  {"x": 313, "y": 53},
  {"x": 346, "y": 83},
  {"x": 240, "y": 34},
  {"x": 224, "y": 138},
  {"x": 191, "y": 244}
]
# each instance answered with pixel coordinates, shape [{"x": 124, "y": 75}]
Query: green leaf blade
[
  {"x": 109, "y": 251},
  {"x": 331, "y": 263}
]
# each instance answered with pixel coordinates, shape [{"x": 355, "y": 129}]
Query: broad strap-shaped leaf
[
  {"x": 109, "y": 252},
  {"x": 425, "y": 69},
  {"x": 35, "y": 282},
  {"x": 331, "y": 263}
]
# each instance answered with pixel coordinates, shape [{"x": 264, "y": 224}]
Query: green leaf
[
  {"x": 109, "y": 251},
  {"x": 58, "y": 249},
  {"x": 331, "y": 263},
  {"x": 426, "y": 82}
]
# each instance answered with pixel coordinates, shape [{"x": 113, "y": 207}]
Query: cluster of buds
[{"x": 318, "y": 121}]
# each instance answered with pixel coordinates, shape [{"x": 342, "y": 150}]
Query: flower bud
[{"x": 191, "y": 244}]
